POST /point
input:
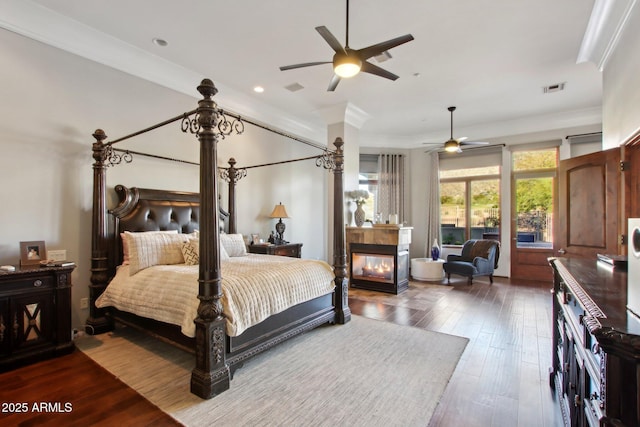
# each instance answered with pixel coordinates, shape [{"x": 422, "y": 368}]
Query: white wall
[
  {"x": 621, "y": 86},
  {"x": 52, "y": 102}
]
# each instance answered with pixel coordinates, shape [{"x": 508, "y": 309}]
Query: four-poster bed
[{"x": 217, "y": 352}]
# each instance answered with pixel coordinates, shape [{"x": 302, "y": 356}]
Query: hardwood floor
[
  {"x": 73, "y": 390},
  {"x": 502, "y": 378}
]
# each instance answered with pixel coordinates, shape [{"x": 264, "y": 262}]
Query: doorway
[
  {"x": 532, "y": 231},
  {"x": 533, "y": 196}
]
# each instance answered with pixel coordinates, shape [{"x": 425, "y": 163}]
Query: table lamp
[{"x": 280, "y": 212}]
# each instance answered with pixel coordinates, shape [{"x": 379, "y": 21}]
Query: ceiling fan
[
  {"x": 454, "y": 145},
  {"x": 348, "y": 62}
]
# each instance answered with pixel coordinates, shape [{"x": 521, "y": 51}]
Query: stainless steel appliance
[{"x": 633, "y": 267}]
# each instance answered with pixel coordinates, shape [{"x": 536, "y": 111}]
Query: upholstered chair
[{"x": 478, "y": 258}]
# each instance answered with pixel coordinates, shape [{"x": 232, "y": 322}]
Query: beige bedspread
[{"x": 254, "y": 286}]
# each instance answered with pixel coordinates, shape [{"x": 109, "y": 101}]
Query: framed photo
[
  {"x": 255, "y": 239},
  {"x": 31, "y": 253}
]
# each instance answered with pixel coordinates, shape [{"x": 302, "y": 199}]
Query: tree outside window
[{"x": 470, "y": 204}]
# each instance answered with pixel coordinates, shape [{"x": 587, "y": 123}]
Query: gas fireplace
[{"x": 379, "y": 267}]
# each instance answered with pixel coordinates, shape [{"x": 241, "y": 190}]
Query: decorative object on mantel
[
  {"x": 31, "y": 253},
  {"x": 280, "y": 212},
  {"x": 359, "y": 196},
  {"x": 359, "y": 215},
  {"x": 435, "y": 250}
]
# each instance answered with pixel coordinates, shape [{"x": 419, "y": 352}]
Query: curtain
[
  {"x": 390, "y": 198},
  {"x": 433, "y": 205}
]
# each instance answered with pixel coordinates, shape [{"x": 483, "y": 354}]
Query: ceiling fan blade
[
  {"x": 330, "y": 38},
  {"x": 377, "y": 49},
  {"x": 306, "y": 64},
  {"x": 334, "y": 83},
  {"x": 374, "y": 69}
]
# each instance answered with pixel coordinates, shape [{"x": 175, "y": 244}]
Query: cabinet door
[
  {"x": 32, "y": 320},
  {"x": 5, "y": 327}
]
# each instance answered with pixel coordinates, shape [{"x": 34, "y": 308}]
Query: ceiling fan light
[
  {"x": 451, "y": 146},
  {"x": 346, "y": 66}
]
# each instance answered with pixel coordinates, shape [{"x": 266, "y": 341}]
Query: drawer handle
[{"x": 37, "y": 283}]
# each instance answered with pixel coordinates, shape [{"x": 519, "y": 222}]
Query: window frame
[{"x": 467, "y": 198}]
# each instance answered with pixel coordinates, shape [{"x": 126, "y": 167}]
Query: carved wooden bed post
[
  {"x": 343, "y": 313},
  {"x": 211, "y": 376},
  {"x": 232, "y": 178},
  {"x": 97, "y": 323}
]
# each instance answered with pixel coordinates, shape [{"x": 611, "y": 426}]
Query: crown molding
[
  {"x": 44, "y": 25},
  {"x": 344, "y": 113},
  {"x": 608, "y": 19},
  {"x": 494, "y": 131}
]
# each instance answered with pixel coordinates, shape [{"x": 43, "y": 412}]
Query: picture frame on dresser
[{"x": 32, "y": 252}]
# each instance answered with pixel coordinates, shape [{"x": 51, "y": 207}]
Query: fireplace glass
[
  {"x": 373, "y": 267},
  {"x": 379, "y": 267}
]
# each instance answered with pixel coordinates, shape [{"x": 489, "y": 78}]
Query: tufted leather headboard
[{"x": 141, "y": 209}]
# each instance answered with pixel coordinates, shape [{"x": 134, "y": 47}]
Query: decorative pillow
[
  {"x": 233, "y": 244},
  {"x": 191, "y": 252},
  {"x": 125, "y": 243},
  {"x": 149, "y": 249},
  {"x": 224, "y": 255}
]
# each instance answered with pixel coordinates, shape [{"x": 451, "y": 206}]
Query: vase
[
  {"x": 435, "y": 250},
  {"x": 359, "y": 215}
]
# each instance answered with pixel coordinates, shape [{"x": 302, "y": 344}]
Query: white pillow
[
  {"x": 149, "y": 249},
  {"x": 191, "y": 252},
  {"x": 233, "y": 244},
  {"x": 125, "y": 243}
]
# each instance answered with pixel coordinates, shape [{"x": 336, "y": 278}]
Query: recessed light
[
  {"x": 258, "y": 89},
  {"x": 160, "y": 42}
]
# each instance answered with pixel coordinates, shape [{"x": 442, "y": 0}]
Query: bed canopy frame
[{"x": 212, "y": 372}]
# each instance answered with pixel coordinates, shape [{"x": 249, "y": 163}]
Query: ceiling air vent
[
  {"x": 384, "y": 56},
  {"x": 294, "y": 87},
  {"x": 553, "y": 88}
]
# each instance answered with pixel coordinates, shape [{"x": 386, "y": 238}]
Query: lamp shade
[
  {"x": 279, "y": 212},
  {"x": 451, "y": 146},
  {"x": 347, "y": 65}
]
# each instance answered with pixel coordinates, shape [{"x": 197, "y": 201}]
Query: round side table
[{"x": 427, "y": 269}]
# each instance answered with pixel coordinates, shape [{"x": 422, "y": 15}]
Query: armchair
[{"x": 478, "y": 258}]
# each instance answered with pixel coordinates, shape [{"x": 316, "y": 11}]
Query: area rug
[{"x": 364, "y": 373}]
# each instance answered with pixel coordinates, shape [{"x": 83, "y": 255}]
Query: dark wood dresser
[
  {"x": 35, "y": 315},
  {"x": 596, "y": 345},
  {"x": 289, "y": 249}
]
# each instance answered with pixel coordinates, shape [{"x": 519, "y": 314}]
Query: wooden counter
[{"x": 596, "y": 345}]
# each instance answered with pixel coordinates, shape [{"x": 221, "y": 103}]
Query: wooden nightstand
[
  {"x": 293, "y": 250},
  {"x": 35, "y": 315}
]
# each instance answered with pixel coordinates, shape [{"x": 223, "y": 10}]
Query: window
[
  {"x": 369, "y": 182},
  {"x": 382, "y": 176},
  {"x": 469, "y": 204},
  {"x": 534, "y": 174}
]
